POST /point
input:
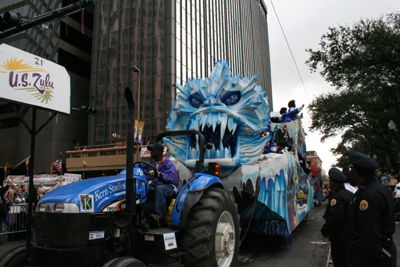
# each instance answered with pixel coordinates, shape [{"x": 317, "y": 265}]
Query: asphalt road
[
  {"x": 262, "y": 251},
  {"x": 308, "y": 249}
]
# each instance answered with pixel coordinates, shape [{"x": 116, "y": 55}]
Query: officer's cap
[
  {"x": 362, "y": 162},
  {"x": 336, "y": 175}
]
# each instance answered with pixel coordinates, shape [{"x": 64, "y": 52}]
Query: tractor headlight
[
  {"x": 58, "y": 208},
  {"x": 41, "y": 207}
]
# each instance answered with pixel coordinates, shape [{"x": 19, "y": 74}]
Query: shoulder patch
[
  {"x": 363, "y": 205},
  {"x": 333, "y": 202}
]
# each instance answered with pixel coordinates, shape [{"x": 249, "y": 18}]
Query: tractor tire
[
  {"x": 124, "y": 262},
  {"x": 211, "y": 234},
  {"x": 16, "y": 257}
]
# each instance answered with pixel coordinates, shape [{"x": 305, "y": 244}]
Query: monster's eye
[
  {"x": 231, "y": 99},
  {"x": 195, "y": 102}
]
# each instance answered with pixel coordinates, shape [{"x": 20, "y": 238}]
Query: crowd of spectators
[{"x": 16, "y": 195}]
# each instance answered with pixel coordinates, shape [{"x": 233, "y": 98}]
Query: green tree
[{"x": 363, "y": 63}]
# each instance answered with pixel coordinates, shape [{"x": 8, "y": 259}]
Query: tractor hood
[{"x": 92, "y": 195}]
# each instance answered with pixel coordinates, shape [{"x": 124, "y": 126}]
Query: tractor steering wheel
[{"x": 146, "y": 172}]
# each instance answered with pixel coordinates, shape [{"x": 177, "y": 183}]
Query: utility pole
[{"x": 136, "y": 69}]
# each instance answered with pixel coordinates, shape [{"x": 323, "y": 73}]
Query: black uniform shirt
[
  {"x": 336, "y": 213},
  {"x": 371, "y": 217}
]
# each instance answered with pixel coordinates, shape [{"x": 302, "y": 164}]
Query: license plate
[{"x": 96, "y": 235}]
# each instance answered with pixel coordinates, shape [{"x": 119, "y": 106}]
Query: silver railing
[{"x": 15, "y": 221}]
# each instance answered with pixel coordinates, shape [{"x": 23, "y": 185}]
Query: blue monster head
[{"x": 229, "y": 111}]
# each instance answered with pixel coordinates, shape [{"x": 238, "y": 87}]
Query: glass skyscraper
[{"x": 170, "y": 42}]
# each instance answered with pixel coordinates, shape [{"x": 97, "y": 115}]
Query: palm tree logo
[{"x": 28, "y": 78}]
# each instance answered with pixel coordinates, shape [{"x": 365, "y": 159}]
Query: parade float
[{"x": 233, "y": 114}]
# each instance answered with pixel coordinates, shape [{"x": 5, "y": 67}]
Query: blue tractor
[{"x": 99, "y": 221}]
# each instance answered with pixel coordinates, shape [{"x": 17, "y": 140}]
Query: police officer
[
  {"x": 371, "y": 225},
  {"x": 336, "y": 216}
]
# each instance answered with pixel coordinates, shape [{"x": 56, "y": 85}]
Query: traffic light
[
  {"x": 10, "y": 20},
  {"x": 88, "y": 110}
]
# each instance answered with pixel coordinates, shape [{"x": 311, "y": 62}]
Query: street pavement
[{"x": 308, "y": 249}]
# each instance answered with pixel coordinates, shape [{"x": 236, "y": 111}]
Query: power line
[{"x": 290, "y": 50}]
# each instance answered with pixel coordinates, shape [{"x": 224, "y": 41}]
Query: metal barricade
[{"x": 15, "y": 222}]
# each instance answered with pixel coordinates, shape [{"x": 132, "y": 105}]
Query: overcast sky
[{"x": 304, "y": 22}]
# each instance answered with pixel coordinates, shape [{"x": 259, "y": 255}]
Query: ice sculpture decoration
[{"x": 229, "y": 111}]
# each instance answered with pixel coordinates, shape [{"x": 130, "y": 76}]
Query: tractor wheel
[
  {"x": 15, "y": 258},
  {"x": 124, "y": 262},
  {"x": 211, "y": 234}
]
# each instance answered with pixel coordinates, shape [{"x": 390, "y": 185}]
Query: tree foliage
[{"x": 363, "y": 63}]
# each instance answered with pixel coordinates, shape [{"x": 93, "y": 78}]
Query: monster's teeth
[
  {"x": 210, "y": 120},
  {"x": 234, "y": 127},
  {"x": 226, "y": 152},
  {"x": 214, "y": 122},
  {"x": 199, "y": 121},
  {"x": 215, "y": 153},
  {"x": 208, "y": 153},
  {"x": 192, "y": 124},
  {"x": 230, "y": 124},
  {"x": 229, "y": 153},
  {"x": 195, "y": 123},
  {"x": 223, "y": 127},
  {"x": 203, "y": 122},
  {"x": 218, "y": 154},
  {"x": 201, "y": 117}
]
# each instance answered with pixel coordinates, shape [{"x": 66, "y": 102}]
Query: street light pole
[{"x": 136, "y": 69}]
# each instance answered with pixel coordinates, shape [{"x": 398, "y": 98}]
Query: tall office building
[
  {"x": 169, "y": 41},
  {"x": 63, "y": 42}
]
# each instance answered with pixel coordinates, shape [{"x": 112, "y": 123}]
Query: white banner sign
[
  {"x": 144, "y": 152},
  {"x": 71, "y": 177},
  {"x": 32, "y": 80},
  {"x": 43, "y": 178}
]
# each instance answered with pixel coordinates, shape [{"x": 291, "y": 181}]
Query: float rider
[{"x": 164, "y": 184}]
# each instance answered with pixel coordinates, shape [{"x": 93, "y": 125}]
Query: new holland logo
[
  {"x": 87, "y": 203},
  {"x": 34, "y": 80}
]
